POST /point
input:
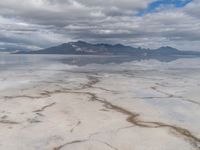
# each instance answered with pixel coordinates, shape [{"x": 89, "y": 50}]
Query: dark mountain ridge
[{"x": 84, "y": 48}]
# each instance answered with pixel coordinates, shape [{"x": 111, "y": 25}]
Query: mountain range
[{"x": 84, "y": 48}]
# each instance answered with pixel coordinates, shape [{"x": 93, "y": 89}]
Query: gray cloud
[{"x": 41, "y": 23}]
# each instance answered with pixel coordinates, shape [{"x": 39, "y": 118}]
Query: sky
[{"x": 37, "y": 24}]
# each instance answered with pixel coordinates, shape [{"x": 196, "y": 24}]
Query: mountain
[{"x": 84, "y": 48}]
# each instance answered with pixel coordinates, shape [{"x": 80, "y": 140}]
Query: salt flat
[{"x": 136, "y": 105}]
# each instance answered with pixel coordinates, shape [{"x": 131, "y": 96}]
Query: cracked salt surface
[{"x": 141, "y": 105}]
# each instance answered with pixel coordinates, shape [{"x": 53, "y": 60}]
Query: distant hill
[
  {"x": 84, "y": 48},
  {"x": 13, "y": 48}
]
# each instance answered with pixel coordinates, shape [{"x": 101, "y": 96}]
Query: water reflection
[
  {"x": 85, "y": 60},
  {"x": 8, "y": 61}
]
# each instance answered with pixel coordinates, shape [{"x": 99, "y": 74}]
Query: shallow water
[{"x": 99, "y": 102}]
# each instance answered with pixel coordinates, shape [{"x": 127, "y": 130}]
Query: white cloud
[{"x": 47, "y": 22}]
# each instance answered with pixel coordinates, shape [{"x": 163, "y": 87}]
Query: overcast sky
[{"x": 35, "y": 24}]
